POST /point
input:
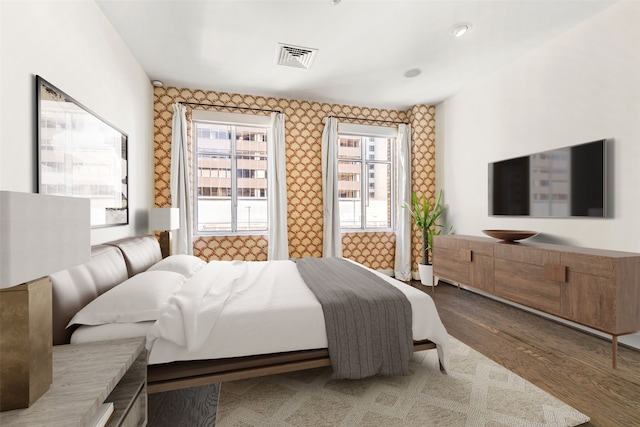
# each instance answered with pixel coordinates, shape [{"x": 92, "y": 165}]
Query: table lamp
[
  {"x": 164, "y": 220},
  {"x": 39, "y": 235}
]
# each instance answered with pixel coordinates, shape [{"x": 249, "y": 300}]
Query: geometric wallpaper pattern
[
  {"x": 303, "y": 135},
  {"x": 423, "y": 164}
]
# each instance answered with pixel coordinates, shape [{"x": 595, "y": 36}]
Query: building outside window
[
  {"x": 365, "y": 182},
  {"x": 230, "y": 178}
]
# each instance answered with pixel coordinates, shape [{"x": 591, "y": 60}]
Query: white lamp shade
[
  {"x": 163, "y": 219},
  {"x": 41, "y": 234}
]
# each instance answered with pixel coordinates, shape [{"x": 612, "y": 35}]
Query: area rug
[{"x": 476, "y": 392}]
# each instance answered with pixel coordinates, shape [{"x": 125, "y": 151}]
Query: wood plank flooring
[{"x": 570, "y": 364}]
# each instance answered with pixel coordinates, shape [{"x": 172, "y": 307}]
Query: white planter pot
[{"x": 426, "y": 275}]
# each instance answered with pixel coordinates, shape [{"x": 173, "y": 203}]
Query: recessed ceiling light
[
  {"x": 460, "y": 29},
  {"x": 412, "y": 72},
  {"x": 157, "y": 83},
  {"x": 335, "y": 2}
]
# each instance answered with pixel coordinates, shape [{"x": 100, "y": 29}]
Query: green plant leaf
[{"x": 426, "y": 218}]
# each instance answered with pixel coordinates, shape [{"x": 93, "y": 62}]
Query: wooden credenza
[{"x": 596, "y": 288}]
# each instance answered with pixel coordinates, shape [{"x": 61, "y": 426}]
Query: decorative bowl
[{"x": 510, "y": 235}]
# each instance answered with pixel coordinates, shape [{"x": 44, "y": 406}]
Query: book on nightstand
[{"x": 102, "y": 416}]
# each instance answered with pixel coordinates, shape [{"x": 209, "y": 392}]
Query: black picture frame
[{"x": 81, "y": 155}]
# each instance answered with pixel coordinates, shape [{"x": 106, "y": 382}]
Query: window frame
[
  {"x": 366, "y": 131},
  {"x": 233, "y": 120}
]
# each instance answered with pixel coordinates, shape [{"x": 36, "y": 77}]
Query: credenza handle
[
  {"x": 557, "y": 272},
  {"x": 465, "y": 255}
]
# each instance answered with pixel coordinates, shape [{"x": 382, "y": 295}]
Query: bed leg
[{"x": 614, "y": 350}]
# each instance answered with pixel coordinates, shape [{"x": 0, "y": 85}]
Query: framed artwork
[{"x": 81, "y": 155}]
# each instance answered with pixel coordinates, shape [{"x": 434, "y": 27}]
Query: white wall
[
  {"x": 582, "y": 86},
  {"x": 73, "y": 46}
]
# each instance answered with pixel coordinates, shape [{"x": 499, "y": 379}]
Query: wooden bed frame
[{"x": 114, "y": 262}]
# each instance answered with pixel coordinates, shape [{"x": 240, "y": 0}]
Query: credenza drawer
[
  {"x": 590, "y": 301},
  {"x": 526, "y": 285},
  {"x": 589, "y": 264},
  {"x": 525, "y": 254},
  {"x": 451, "y": 264}
]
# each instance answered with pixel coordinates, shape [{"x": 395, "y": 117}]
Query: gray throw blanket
[{"x": 368, "y": 320}]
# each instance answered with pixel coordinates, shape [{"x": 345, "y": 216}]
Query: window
[
  {"x": 231, "y": 177},
  {"x": 365, "y": 182}
]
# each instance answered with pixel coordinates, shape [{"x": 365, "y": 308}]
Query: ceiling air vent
[{"x": 295, "y": 56}]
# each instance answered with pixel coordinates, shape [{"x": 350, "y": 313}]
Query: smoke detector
[{"x": 295, "y": 56}]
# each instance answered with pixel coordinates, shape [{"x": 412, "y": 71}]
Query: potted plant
[{"x": 426, "y": 218}]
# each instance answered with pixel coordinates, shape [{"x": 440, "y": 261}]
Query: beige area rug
[{"x": 476, "y": 392}]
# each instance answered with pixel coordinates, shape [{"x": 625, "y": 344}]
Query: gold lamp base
[
  {"x": 165, "y": 243},
  {"x": 26, "y": 340}
]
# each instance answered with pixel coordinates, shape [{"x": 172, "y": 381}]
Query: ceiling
[{"x": 364, "y": 46}]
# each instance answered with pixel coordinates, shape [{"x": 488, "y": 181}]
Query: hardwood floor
[{"x": 572, "y": 365}]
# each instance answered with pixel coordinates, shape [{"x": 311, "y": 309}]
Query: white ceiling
[{"x": 365, "y": 46}]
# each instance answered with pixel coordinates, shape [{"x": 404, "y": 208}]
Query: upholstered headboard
[
  {"x": 139, "y": 252},
  {"x": 78, "y": 286},
  {"x": 111, "y": 264}
]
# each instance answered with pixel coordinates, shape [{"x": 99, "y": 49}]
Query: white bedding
[{"x": 236, "y": 308}]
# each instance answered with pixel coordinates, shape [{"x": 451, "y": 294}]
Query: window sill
[{"x": 359, "y": 230}]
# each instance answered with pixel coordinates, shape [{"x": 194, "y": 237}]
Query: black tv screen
[{"x": 561, "y": 183}]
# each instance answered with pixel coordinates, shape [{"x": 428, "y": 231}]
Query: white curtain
[
  {"x": 278, "y": 247},
  {"x": 402, "y": 266},
  {"x": 180, "y": 184},
  {"x": 332, "y": 239}
]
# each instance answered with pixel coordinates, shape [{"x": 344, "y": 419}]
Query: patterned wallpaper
[{"x": 303, "y": 134}]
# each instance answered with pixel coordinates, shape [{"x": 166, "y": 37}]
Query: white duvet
[{"x": 238, "y": 308}]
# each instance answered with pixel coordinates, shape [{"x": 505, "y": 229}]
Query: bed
[{"x": 283, "y": 337}]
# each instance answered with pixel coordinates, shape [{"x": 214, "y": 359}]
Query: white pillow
[
  {"x": 110, "y": 332},
  {"x": 142, "y": 297},
  {"x": 187, "y": 265}
]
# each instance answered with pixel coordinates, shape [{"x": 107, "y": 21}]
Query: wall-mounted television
[{"x": 561, "y": 183}]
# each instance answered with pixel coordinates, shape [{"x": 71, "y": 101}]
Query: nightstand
[{"x": 86, "y": 376}]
